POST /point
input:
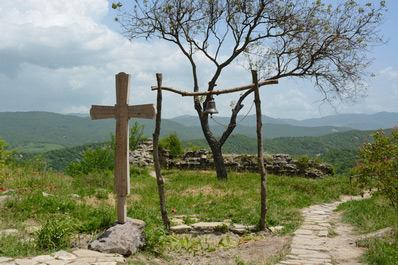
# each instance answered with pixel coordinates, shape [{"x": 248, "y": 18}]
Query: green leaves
[
  {"x": 116, "y": 5},
  {"x": 378, "y": 164},
  {"x": 173, "y": 143}
]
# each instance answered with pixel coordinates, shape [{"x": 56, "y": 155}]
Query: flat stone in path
[{"x": 77, "y": 257}]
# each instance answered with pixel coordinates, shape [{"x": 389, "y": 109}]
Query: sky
[{"x": 62, "y": 56}]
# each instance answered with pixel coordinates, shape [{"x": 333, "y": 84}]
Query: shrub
[
  {"x": 173, "y": 143},
  {"x": 303, "y": 162},
  {"x": 378, "y": 165}
]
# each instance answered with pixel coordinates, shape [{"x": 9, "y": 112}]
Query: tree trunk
[
  {"x": 159, "y": 177},
  {"x": 214, "y": 144},
  {"x": 261, "y": 168},
  {"x": 219, "y": 163}
]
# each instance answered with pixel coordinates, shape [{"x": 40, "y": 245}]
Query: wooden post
[
  {"x": 159, "y": 178},
  {"x": 122, "y": 112},
  {"x": 263, "y": 173}
]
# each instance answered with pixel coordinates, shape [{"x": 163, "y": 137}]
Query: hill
[
  {"x": 38, "y": 132},
  {"x": 352, "y": 121},
  {"x": 296, "y": 146},
  {"x": 355, "y": 121}
]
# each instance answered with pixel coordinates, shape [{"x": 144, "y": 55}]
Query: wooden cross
[{"x": 122, "y": 112}]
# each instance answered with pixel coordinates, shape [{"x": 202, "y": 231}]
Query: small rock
[
  {"x": 207, "y": 226},
  {"x": 276, "y": 229},
  {"x": 24, "y": 262},
  {"x": 8, "y": 232},
  {"x": 63, "y": 255},
  {"x": 32, "y": 229},
  {"x": 43, "y": 258},
  {"x": 4, "y": 259},
  {"x": 180, "y": 228}
]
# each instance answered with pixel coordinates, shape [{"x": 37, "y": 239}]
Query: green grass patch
[
  {"x": 43, "y": 199},
  {"x": 371, "y": 215}
]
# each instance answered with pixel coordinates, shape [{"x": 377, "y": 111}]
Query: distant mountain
[
  {"x": 355, "y": 121},
  {"x": 44, "y": 131},
  {"x": 249, "y": 120},
  {"x": 307, "y": 145}
]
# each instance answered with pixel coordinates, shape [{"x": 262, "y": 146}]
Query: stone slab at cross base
[{"x": 124, "y": 239}]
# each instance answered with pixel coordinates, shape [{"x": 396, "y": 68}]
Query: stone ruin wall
[{"x": 277, "y": 164}]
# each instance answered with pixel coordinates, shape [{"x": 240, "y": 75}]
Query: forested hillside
[
  {"x": 311, "y": 146},
  {"x": 38, "y": 132}
]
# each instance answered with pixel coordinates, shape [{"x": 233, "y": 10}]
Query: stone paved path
[
  {"x": 309, "y": 244},
  {"x": 77, "y": 257}
]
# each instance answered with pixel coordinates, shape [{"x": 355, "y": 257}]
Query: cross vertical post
[{"x": 122, "y": 112}]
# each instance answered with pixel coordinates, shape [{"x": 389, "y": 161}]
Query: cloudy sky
[{"x": 62, "y": 55}]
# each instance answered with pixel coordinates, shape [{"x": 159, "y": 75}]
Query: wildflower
[
  {"x": 73, "y": 181},
  {"x": 173, "y": 210},
  {"x": 22, "y": 193},
  {"x": 34, "y": 185},
  {"x": 50, "y": 187},
  {"x": 17, "y": 171},
  {"x": 34, "y": 173}
]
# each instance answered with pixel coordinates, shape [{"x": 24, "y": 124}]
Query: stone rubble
[
  {"x": 77, "y": 257},
  {"x": 309, "y": 241},
  {"x": 277, "y": 164}
]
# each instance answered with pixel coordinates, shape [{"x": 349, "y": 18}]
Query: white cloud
[
  {"x": 389, "y": 73},
  {"x": 57, "y": 55}
]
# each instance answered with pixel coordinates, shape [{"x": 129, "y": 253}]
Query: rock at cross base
[{"x": 124, "y": 239}]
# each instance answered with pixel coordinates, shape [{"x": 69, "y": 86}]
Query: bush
[
  {"x": 303, "y": 162},
  {"x": 173, "y": 143},
  {"x": 378, "y": 165}
]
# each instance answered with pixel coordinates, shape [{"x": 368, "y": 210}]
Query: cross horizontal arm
[
  {"x": 98, "y": 112},
  {"x": 217, "y": 92},
  {"x": 146, "y": 111}
]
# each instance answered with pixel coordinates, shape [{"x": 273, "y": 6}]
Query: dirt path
[{"x": 342, "y": 246}]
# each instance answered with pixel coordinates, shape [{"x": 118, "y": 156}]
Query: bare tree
[{"x": 292, "y": 38}]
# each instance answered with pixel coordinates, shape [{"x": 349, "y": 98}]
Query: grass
[
  {"x": 371, "y": 215},
  {"x": 188, "y": 192}
]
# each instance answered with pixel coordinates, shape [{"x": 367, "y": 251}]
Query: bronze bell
[{"x": 211, "y": 107}]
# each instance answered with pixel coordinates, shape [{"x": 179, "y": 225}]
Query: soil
[{"x": 259, "y": 249}]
